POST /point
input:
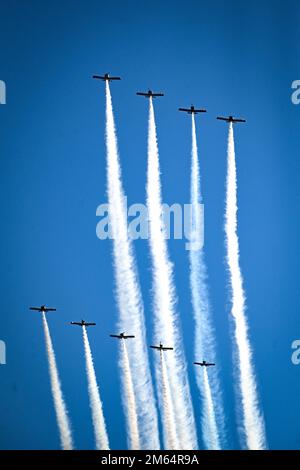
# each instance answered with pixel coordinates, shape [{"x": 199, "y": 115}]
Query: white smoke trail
[
  {"x": 128, "y": 292},
  {"x": 212, "y": 435},
  {"x": 168, "y": 410},
  {"x": 166, "y": 326},
  {"x": 205, "y": 344},
  {"x": 101, "y": 437},
  {"x": 58, "y": 399},
  {"x": 253, "y": 421},
  {"x": 134, "y": 438}
]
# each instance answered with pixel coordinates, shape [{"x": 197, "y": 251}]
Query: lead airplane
[
  {"x": 82, "y": 323},
  {"x": 149, "y": 94},
  {"x": 192, "y": 110},
  {"x": 161, "y": 347},
  {"x": 43, "y": 309},
  {"x": 122, "y": 336},
  {"x": 205, "y": 364},
  {"x": 106, "y": 77},
  {"x": 230, "y": 119}
]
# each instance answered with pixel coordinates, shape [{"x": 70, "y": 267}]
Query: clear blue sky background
[{"x": 229, "y": 56}]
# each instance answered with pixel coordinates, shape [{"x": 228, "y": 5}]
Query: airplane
[
  {"x": 43, "y": 308},
  {"x": 106, "y": 77},
  {"x": 149, "y": 94},
  {"x": 122, "y": 336},
  {"x": 230, "y": 119},
  {"x": 192, "y": 110},
  {"x": 82, "y": 323},
  {"x": 161, "y": 347},
  {"x": 205, "y": 364}
]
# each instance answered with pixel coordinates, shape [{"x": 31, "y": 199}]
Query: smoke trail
[
  {"x": 58, "y": 399},
  {"x": 134, "y": 438},
  {"x": 253, "y": 421},
  {"x": 212, "y": 436},
  {"x": 168, "y": 411},
  {"x": 101, "y": 437},
  {"x": 205, "y": 344},
  {"x": 166, "y": 320},
  {"x": 128, "y": 292}
]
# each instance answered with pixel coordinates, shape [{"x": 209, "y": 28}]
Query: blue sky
[{"x": 229, "y": 56}]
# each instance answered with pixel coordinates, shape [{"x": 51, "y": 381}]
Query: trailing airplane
[
  {"x": 43, "y": 309},
  {"x": 230, "y": 119},
  {"x": 192, "y": 110},
  {"x": 149, "y": 94},
  {"x": 205, "y": 364},
  {"x": 122, "y": 336},
  {"x": 106, "y": 77},
  {"x": 82, "y": 323},
  {"x": 161, "y": 347}
]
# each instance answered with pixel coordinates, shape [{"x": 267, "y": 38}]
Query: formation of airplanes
[
  {"x": 191, "y": 110},
  {"x": 122, "y": 335},
  {"x": 151, "y": 94}
]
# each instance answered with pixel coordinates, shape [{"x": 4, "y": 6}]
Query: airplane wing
[
  {"x": 167, "y": 349},
  {"x": 128, "y": 336},
  {"x": 50, "y": 309},
  {"x": 155, "y": 347},
  {"x": 198, "y": 363},
  {"x": 115, "y": 336},
  {"x": 89, "y": 324},
  {"x": 157, "y": 94},
  {"x": 98, "y": 77},
  {"x": 222, "y": 118},
  {"x": 142, "y": 94},
  {"x": 210, "y": 364},
  {"x": 75, "y": 323},
  {"x": 239, "y": 120},
  {"x": 114, "y": 78},
  {"x": 184, "y": 109},
  {"x": 37, "y": 309}
]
